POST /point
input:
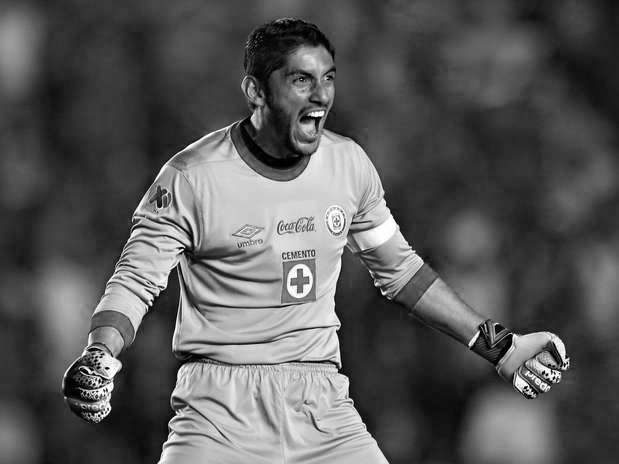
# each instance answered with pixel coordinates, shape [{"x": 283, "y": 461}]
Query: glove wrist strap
[
  {"x": 99, "y": 346},
  {"x": 493, "y": 341}
]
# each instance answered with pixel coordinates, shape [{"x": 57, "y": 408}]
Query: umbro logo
[{"x": 248, "y": 232}]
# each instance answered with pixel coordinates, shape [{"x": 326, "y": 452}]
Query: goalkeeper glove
[
  {"x": 532, "y": 362},
  {"x": 88, "y": 383}
]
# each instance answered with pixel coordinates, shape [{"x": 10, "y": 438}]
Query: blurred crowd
[{"x": 493, "y": 124}]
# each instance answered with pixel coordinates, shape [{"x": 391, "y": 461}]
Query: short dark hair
[{"x": 268, "y": 45}]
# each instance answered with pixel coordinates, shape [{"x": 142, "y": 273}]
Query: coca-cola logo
[{"x": 302, "y": 224}]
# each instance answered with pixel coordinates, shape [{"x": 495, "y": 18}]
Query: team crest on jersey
[
  {"x": 299, "y": 281},
  {"x": 160, "y": 199},
  {"x": 335, "y": 218}
]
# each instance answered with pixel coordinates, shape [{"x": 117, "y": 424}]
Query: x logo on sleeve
[{"x": 161, "y": 198}]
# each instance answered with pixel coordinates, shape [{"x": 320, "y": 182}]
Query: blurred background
[{"x": 493, "y": 124}]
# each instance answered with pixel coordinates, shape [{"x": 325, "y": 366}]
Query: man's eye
[{"x": 300, "y": 80}]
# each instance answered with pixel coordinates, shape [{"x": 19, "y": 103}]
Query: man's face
[{"x": 299, "y": 97}]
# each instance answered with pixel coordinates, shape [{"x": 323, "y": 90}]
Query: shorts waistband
[{"x": 300, "y": 366}]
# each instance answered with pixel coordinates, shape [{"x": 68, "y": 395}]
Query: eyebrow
[{"x": 292, "y": 72}]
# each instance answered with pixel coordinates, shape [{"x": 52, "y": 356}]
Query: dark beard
[{"x": 281, "y": 123}]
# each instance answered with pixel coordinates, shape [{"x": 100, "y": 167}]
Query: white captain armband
[
  {"x": 387, "y": 255},
  {"x": 372, "y": 238}
]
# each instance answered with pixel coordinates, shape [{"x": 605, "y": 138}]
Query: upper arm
[
  {"x": 375, "y": 237},
  {"x": 168, "y": 213}
]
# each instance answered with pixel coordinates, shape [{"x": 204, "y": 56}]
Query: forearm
[
  {"x": 108, "y": 336},
  {"x": 442, "y": 309},
  {"x": 431, "y": 300}
]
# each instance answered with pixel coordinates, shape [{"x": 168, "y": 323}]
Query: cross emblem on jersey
[
  {"x": 162, "y": 198},
  {"x": 299, "y": 281}
]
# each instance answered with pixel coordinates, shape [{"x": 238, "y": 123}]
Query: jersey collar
[{"x": 261, "y": 162}]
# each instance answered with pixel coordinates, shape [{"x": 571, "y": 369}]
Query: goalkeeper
[{"x": 255, "y": 217}]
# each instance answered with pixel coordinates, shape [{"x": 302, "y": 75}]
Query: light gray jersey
[{"x": 258, "y": 249}]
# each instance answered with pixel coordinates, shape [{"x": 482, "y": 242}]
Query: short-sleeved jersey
[{"x": 257, "y": 248}]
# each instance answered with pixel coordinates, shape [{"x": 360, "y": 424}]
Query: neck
[
  {"x": 265, "y": 137},
  {"x": 260, "y": 154}
]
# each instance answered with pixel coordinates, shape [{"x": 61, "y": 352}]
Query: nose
[{"x": 321, "y": 94}]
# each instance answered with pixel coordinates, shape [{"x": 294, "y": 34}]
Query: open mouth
[{"x": 310, "y": 123}]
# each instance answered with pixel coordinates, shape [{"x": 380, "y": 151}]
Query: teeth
[{"x": 316, "y": 114}]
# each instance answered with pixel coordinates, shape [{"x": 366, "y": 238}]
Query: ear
[{"x": 253, "y": 91}]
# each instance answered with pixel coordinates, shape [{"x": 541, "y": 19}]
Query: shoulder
[
  {"x": 334, "y": 140},
  {"x": 345, "y": 147},
  {"x": 211, "y": 148}
]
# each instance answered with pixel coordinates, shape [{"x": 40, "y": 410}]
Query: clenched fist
[
  {"x": 88, "y": 383},
  {"x": 532, "y": 363}
]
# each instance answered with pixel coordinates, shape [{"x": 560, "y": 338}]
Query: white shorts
[{"x": 293, "y": 413}]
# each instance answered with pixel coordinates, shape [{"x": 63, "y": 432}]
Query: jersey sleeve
[
  {"x": 375, "y": 237},
  {"x": 165, "y": 224},
  {"x": 372, "y": 209}
]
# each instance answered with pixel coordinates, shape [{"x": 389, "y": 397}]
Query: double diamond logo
[{"x": 248, "y": 231}]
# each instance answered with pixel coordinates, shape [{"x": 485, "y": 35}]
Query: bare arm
[
  {"x": 442, "y": 309},
  {"x": 108, "y": 336}
]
